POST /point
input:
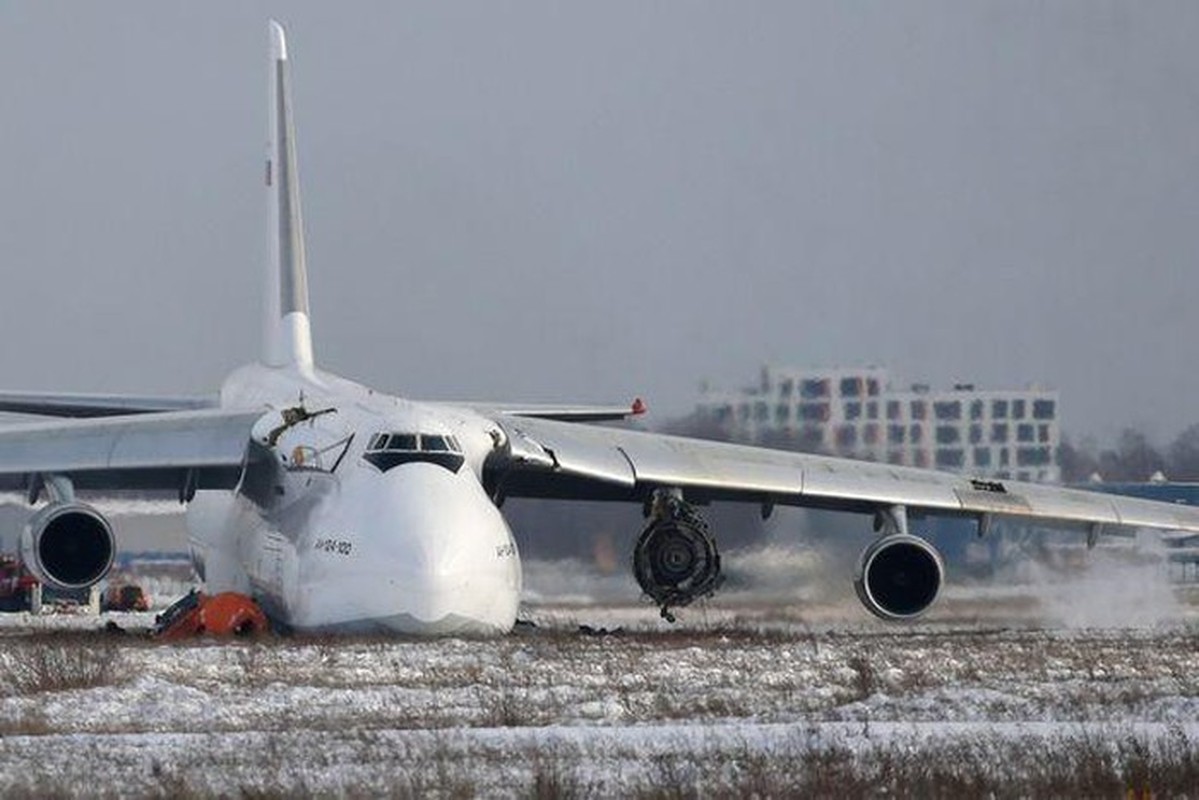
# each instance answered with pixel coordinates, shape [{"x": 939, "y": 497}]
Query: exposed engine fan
[
  {"x": 899, "y": 576},
  {"x": 68, "y": 546},
  {"x": 675, "y": 560}
]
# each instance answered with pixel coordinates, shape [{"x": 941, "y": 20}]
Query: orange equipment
[{"x": 224, "y": 614}]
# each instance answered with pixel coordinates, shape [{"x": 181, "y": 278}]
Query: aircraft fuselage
[{"x": 359, "y": 512}]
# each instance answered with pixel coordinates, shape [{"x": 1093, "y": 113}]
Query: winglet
[{"x": 288, "y": 335}]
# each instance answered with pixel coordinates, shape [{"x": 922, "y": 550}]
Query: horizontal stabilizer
[{"x": 561, "y": 413}]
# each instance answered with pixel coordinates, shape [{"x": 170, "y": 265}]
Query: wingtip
[{"x": 278, "y": 41}]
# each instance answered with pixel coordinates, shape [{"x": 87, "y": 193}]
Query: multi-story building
[{"x": 855, "y": 412}]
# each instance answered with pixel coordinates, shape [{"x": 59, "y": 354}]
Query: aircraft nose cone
[{"x": 452, "y": 564}]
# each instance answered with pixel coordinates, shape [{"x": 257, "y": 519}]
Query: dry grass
[{"x": 58, "y": 663}]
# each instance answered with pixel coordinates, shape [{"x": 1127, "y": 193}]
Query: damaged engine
[{"x": 675, "y": 560}]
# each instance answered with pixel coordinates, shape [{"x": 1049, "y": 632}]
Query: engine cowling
[
  {"x": 68, "y": 546},
  {"x": 899, "y": 576},
  {"x": 676, "y": 561}
]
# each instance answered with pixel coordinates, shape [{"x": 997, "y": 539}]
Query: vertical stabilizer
[{"x": 288, "y": 335}]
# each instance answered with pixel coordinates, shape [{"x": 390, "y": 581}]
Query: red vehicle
[{"x": 15, "y": 584}]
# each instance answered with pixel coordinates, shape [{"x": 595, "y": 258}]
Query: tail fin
[{"x": 288, "y": 334}]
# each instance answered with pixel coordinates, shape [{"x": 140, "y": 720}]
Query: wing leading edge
[
  {"x": 546, "y": 458},
  {"x": 97, "y": 405}
]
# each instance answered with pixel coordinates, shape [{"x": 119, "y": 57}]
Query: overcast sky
[{"x": 550, "y": 201}]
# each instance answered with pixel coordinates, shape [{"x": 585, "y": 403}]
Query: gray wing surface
[
  {"x": 97, "y": 405},
  {"x": 181, "y": 450},
  {"x": 545, "y": 458}
]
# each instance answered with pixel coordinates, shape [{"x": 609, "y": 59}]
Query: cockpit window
[
  {"x": 402, "y": 441},
  {"x": 387, "y": 450}
]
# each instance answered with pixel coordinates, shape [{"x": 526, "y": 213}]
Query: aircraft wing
[
  {"x": 182, "y": 450},
  {"x": 96, "y": 405},
  {"x": 546, "y": 458}
]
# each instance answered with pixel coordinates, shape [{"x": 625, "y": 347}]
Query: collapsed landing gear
[{"x": 675, "y": 560}]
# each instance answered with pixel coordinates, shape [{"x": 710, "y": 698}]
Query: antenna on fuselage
[{"x": 287, "y": 336}]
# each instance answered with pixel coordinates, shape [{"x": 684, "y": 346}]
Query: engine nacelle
[
  {"x": 899, "y": 576},
  {"x": 68, "y": 546},
  {"x": 676, "y": 561}
]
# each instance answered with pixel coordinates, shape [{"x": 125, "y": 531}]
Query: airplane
[{"x": 338, "y": 508}]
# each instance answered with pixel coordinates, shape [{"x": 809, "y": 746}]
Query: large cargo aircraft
[{"x": 339, "y": 508}]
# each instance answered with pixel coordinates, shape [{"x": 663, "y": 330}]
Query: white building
[{"x": 855, "y": 412}]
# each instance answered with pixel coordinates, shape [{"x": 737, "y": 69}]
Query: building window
[
  {"x": 1004, "y": 457},
  {"x": 743, "y": 412},
  {"x": 948, "y": 434},
  {"x": 920, "y": 458},
  {"x": 982, "y": 456},
  {"x": 870, "y": 434},
  {"x": 761, "y": 412},
  {"x": 919, "y": 409},
  {"x": 998, "y": 409},
  {"x": 1017, "y": 409},
  {"x": 872, "y": 387},
  {"x": 976, "y": 409},
  {"x": 872, "y": 410},
  {"x": 949, "y": 459},
  {"x": 1042, "y": 409},
  {"x": 1032, "y": 456},
  {"x": 851, "y": 387},
  {"x": 1042, "y": 433},
  {"x": 895, "y": 434},
  {"x": 998, "y": 432},
  {"x": 892, "y": 409},
  {"x": 853, "y": 410},
  {"x": 814, "y": 389},
  {"x": 782, "y": 414},
  {"x": 895, "y": 456},
  {"x": 723, "y": 414},
  {"x": 813, "y": 412},
  {"x": 1024, "y": 432},
  {"x": 915, "y": 434},
  {"x": 976, "y": 434},
  {"x": 787, "y": 388},
  {"x": 847, "y": 437},
  {"x": 948, "y": 410}
]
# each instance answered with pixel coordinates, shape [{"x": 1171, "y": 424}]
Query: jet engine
[
  {"x": 675, "y": 560},
  {"x": 68, "y": 545},
  {"x": 899, "y": 576}
]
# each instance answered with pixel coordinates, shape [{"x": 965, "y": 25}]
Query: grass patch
[{"x": 58, "y": 664}]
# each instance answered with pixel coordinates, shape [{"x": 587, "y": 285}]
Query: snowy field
[{"x": 740, "y": 698}]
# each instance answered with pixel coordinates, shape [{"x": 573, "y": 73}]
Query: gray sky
[{"x": 549, "y": 201}]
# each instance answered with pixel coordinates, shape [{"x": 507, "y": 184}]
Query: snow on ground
[{"x": 740, "y": 704}]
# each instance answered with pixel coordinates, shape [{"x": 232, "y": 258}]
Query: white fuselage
[{"x": 368, "y": 517}]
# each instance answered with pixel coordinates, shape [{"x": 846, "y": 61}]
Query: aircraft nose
[{"x": 451, "y": 562}]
